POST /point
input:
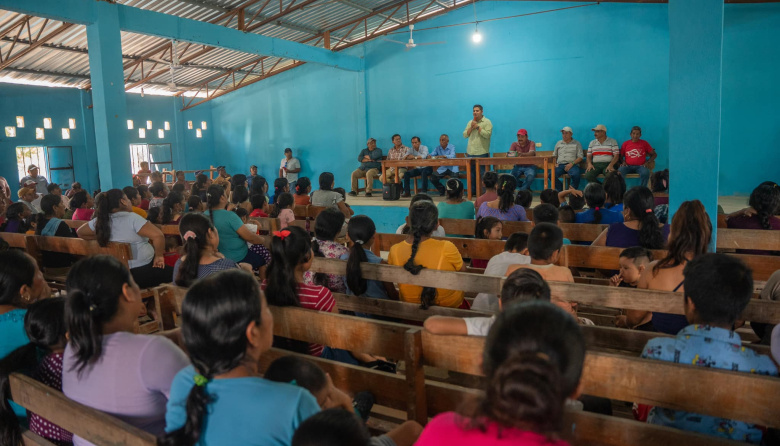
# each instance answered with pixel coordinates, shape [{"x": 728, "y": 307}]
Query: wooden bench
[
  {"x": 92, "y": 425},
  {"x": 572, "y": 231}
]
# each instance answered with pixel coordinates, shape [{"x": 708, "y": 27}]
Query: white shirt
[
  {"x": 124, "y": 229},
  {"x": 439, "y": 232},
  {"x": 292, "y": 163},
  {"x": 478, "y": 326},
  {"x": 497, "y": 266}
]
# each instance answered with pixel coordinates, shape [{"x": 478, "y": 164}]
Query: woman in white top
[
  {"x": 116, "y": 222},
  {"x": 325, "y": 196}
]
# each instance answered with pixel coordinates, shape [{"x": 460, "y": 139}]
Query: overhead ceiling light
[{"x": 476, "y": 37}]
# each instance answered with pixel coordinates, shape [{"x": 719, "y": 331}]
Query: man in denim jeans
[
  {"x": 568, "y": 154},
  {"x": 523, "y": 147},
  {"x": 634, "y": 153}
]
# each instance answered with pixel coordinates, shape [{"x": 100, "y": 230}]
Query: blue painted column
[
  {"x": 695, "y": 59},
  {"x": 108, "y": 97}
]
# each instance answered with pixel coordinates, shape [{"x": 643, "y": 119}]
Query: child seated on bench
[
  {"x": 717, "y": 288},
  {"x": 530, "y": 372},
  {"x": 405, "y": 228},
  {"x": 220, "y": 398},
  {"x": 101, "y": 313},
  {"x": 595, "y": 197},
  {"x": 515, "y": 252},
  {"x": 521, "y": 286},
  {"x": 200, "y": 257},
  {"x": 544, "y": 246},
  {"x": 44, "y": 324},
  {"x": 487, "y": 228},
  {"x": 360, "y": 235},
  {"x": 547, "y": 213},
  {"x": 326, "y": 228},
  {"x": 633, "y": 262},
  {"x": 550, "y": 196},
  {"x": 339, "y": 427},
  {"x": 306, "y": 374}
]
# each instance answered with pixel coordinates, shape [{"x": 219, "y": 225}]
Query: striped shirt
[
  {"x": 603, "y": 152},
  {"x": 314, "y": 297}
]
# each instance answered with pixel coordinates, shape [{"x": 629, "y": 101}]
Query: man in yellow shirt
[{"x": 478, "y": 132}]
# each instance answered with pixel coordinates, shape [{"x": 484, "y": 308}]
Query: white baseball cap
[
  {"x": 567, "y": 129},
  {"x": 600, "y": 127}
]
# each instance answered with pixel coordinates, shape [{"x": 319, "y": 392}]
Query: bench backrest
[
  {"x": 572, "y": 231},
  {"x": 92, "y": 425},
  {"x": 81, "y": 247},
  {"x": 760, "y": 239}
]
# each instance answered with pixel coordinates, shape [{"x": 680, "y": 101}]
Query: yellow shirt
[
  {"x": 139, "y": 211},
  {"x": 479, "y": 140},
  {"x": 432, "y": 254}
]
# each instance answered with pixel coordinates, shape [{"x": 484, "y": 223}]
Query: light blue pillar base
[
  {"x": 695, "y": 59},
  {"x": 108, "y": 97}
]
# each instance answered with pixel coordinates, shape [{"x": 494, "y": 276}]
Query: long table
[
  {"x": 545, "y": 162},
  {"x": 411, "y": 164}
]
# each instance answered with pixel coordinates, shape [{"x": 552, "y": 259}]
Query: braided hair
[
  {"x": 765, "y": 199},
  {"x": 423, "y": 219}
]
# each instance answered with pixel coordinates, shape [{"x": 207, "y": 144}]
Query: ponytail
[
  {"x": 595, "y": 197},
  {"x": 327, "y": 226},
  {"x": 194, "y": 230},
  {"x": 639, "y": 201},
  {"x": 283, "y": 201},
  {"x": 168, "y": 203},
  {"x": 360, "y": 230},
  {"x": 302, "y": 186},
  {"x": 94, "y": 285},
  {"x": 506, "y": 192},
  {"x": 213, "y": 195},
  {"x": 106, "y": 203},
  {"x": 289, "y": 248}
]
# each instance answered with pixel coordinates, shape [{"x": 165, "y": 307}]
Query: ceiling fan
[
  {"x": 410, "y": 44},
  {"x": 174, "y": 65}
]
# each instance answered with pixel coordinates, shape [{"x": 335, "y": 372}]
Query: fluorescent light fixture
[
  {"x": 160, "y": 133},
  {"x": 198, "y": 133},
  {"x": 149, "y": 125},
  {"x": 20, "y": 122}
]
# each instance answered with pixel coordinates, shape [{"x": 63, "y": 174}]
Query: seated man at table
[
  {"x": 523, "y": 147},
  {"x": 370, "y": 160},
  {"x": 566, "y": 157},
  {"x": 417, "y": 152},
  {"x": 443, "y": 151},
  {"x": 397, "y": 152}
]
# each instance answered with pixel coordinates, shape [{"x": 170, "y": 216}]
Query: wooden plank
[
  {"x": 340, "y": 331},
  {"x": 313, "y": 211},
  {"x": 14, "y": 240},
  {"x": 397, "y": 309},
  {"x": 746, "y": 397},
  {"x": 80, "y": 247},
  {"x": 90, "y": 424},
  {"x": 572, "y": 231},
  {"x": 415, "y": 376},
  {"x": 30, "y": 438},
  {"x": 763, "y": 266},
  {"x": 748, "y": 239},
  {"x": 389, "y": 390},
  {"x": 468, "y": 248},
  {"x": 584, "y": 428}
]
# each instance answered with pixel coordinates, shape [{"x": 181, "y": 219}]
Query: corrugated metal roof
[{"x": 64, "y": 60}]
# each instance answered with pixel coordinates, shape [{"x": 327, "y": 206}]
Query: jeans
[
  {"x": 644, "y": 173},
  {"x": 528, "y": 171},
  {"x": 436, "y": 178},
  {"x": 574, "y": 173},
  {"x": 423, "y": 172},
  {"x": 337, "y": 354},
  {"x": 474, "y": 171}
]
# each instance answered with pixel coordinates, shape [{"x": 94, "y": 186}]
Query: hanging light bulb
[{"x": 476, "y": 37}]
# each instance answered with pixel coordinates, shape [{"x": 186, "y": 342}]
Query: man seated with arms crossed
[
  {"x": 567, "y": 157},
  {"x": 370, "y": 160},
  {"x": 443, "y": 151},
  {"x": 397, "y": 152},
  {"x": 523, "y": 147},
  {"x": 717, "y": 288},
  {"x": 417, "y": 152}
]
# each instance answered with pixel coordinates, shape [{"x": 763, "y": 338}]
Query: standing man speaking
[{"x": 478, "y": 131}]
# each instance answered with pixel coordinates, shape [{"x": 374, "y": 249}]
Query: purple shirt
[
  {"x": 514, "y": 213},
  {"x": 131, "y": 380},
  {"x": 621, "y": 236},
  {"x": 742, "y": 222}
]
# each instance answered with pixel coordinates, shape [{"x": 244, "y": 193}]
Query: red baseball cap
[{"x": 522, "y": 132}]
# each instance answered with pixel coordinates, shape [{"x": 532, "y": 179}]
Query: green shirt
[
  {"x": 479, "y": 140},
  {"x": 463, "y": 210},
  {"x": 230, "y": 244}
]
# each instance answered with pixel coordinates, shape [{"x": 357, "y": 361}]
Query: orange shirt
[{"x": 302, "y": 200}]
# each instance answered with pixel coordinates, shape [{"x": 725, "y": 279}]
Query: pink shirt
[
  {"x": 285, "y": 217},
  {"x": 635, "y": 153},
  {"x": 487, "y": 196},
  {"x": 452, "y": 429},
  {"x": 530, "y": 146},
  {"x": 83, "y": 214}
]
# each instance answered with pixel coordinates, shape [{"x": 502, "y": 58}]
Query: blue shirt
[
  {"x": 614, "y": 207},
  {"x": 374, "y": 288},
  {"x": 713, "y": 347},
  {"x": 449, "y": 152},
  {"x": 231, "y": 245},
  {"x": 608, "y": 216},
  {"x": 245, "y": 411},
  {"x": 13, "y": 336}
]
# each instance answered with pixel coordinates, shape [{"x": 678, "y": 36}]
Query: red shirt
[
  {"x": 302, "y": 200},
  {"x": 258, "y": 213},
  {"x": 314, "y": 297},
  {"x": 451, "y": 429},
  {"x": 144, "y": 204},
  {"x": 635, "y": 153}
]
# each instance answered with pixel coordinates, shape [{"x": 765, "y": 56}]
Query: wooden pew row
[
  {"x": 632, "y": 299},
  {"x": 722, "y": 393},
  {"x": 90, "y": 424},
  {"x": 430, "y": 398}
]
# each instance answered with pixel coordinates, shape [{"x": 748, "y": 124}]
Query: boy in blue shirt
[{"x": 717, "y": 288}]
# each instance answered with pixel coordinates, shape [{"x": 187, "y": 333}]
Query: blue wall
[{"x": 60, "y": 104}]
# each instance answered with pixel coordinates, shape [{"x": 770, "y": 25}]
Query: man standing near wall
[
  {"x": 568, "y": 156},
  {"x": 41, "y": 183},
  {"x": 523, "y": 147},
  {"x": 398, "y": 152},
  {"x": 634, "y": 153},
  {"x": 370, "y": 160},
  {"x": 478, "y": 132},
  {"x": 603, "y": 154},
  {"x": 290, "y": 168},
  {"x": 252, "y": 174},
  {"x": 417, "y": 152}
]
